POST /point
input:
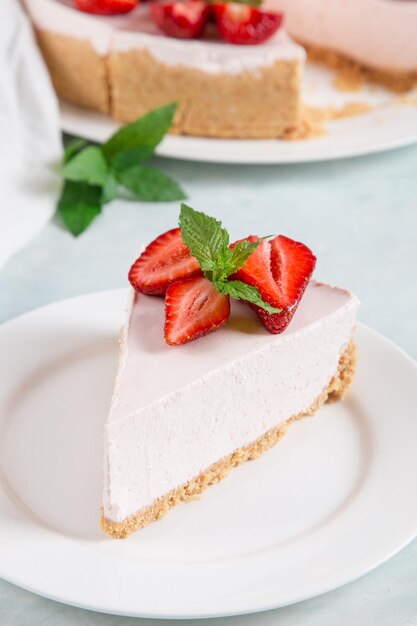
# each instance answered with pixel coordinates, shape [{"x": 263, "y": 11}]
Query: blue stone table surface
[{"x": 358, "y": 215}]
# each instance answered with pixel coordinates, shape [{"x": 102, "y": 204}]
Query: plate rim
[
  {"x": 117, "y": 293},
  {"x": 212, "y": 615},
  {"x": 72, "y": 116}
]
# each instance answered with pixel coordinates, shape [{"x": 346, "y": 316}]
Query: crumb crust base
[
  {"x": 262, "y": 103},
  {"x": 352, "y": 75}
]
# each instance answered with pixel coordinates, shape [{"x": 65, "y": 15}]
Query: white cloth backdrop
[{"x": 30, "y": 139}]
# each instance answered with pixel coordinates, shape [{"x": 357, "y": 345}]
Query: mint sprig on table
[
  {"x": 209, "y": 243},
  {"x": 94, "y": 173}
]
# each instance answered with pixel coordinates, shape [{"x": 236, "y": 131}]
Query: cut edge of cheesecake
[{"x": 335, "y": 390}]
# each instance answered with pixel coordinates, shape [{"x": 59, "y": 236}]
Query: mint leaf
[
  {"x": 73, "y": 148},
  {"x": 144, "y": 134},
  {"x": 204, "y": 236},
  {"x": 130, "y": 157},
  {"x": 241, "y": 291},
  {"x": 79, "y": 205},
  {"x": 88, "y": 165},
  {"x": 110, "y": 189},
  {"x": 240, "y": 254},
  {"x": 150, "y": 184}
]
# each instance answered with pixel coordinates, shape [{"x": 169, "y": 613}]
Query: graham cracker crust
[
  {"x": 351, "y": 75},
  {"x": 335, "y": 390},
  {"x": 78, "y": 73},
  {"x": 253, "y": 104}
]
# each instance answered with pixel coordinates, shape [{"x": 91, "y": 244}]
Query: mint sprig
[
  {"x": 93, "y": 174},
  {"x": 209, "y": 243}
]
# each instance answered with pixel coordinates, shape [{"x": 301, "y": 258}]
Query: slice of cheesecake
[{"x": 180, "y": 419}]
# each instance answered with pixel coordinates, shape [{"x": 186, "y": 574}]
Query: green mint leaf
[
  {"x": 150, "y": 184},
  {"x": 79, "y": 205},
  {"x": 130, "y": 157},
  {"x": 73, "y": 148},
  {"x": 144, "y": 133},
  {"x": 205, "y": 238},
  {"x": 88, "y": 166},
  {"x": 240, "y": 254},
  {"x": 110, "y": 189},
  {"x": 241, "y": 291}
]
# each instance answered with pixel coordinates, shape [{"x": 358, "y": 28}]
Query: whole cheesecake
[{"x": 124, "y": 66}]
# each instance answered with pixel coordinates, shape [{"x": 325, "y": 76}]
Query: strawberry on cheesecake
[
  {"x": 224, "y": 346},
  {"x": 184, "y": 20}
]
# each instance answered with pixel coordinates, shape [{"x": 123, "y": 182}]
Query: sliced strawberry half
[
  {"x": 184, "y": 20},
  {"x": 164, "y": 261},
  {"x": 193, "y": 308},
  {"x": 281, "y": 270},
  {"x": 106, "y": 7},
  {"x": 257, "y": 270},
  {"x": 245, "y": 25}
]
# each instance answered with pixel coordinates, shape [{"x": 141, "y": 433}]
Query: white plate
[
  {"x": 332, "y": 501},
  {"x": 391, "y": 124}
]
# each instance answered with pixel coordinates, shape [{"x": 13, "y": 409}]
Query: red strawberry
[
  {"x": 245, "y": 25},
  {"x": 106, "y": 7},
  {"x": 164, "y": 261},
  {"x": 193, "y": 308},
  {"x": 281, "y": 270},
  {"x": 256, "y": 271},
  {"x": 184, "y": 20}
]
